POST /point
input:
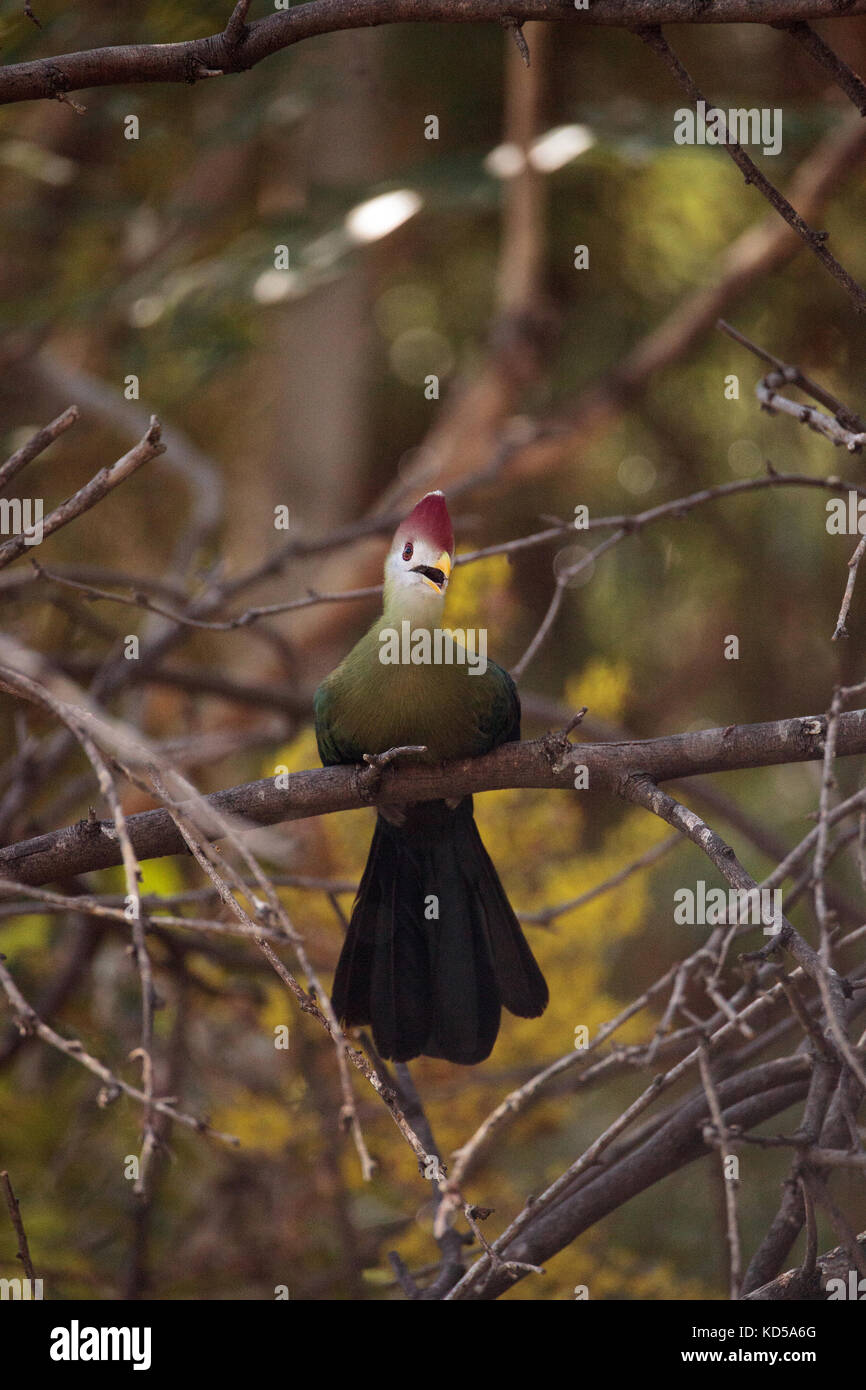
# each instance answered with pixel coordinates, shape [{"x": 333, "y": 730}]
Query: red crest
[{"x": 430, "y": 520}]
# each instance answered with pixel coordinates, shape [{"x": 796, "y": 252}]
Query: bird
[{"x": 433, "y": 951}]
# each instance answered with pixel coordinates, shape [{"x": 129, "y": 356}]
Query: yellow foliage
[
  {"x": 277, "y": 1009},
  {"x": 20, "y": 936},
  {"x": 162, "y": 876},
  {"x": 267, "y": 1123},
  {"x": 609, "y": 1272},
  {"x": 297, "y": 755},
  {"x": 474, "y": 597},
  {"x": 603, "y": 686}
]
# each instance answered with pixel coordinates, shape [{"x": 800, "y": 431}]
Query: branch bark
[
  {"x": 240, "y": 46},
  {"x": 794, "y": 1286},
  {"x": 748, "y": 1099},
  {"x": 653, "y": 36},
  {"x": 547, "y": 762},
  {"x": 147, "y": 448}
]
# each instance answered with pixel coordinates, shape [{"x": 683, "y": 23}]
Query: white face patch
[{"x": 416, "y": 578}]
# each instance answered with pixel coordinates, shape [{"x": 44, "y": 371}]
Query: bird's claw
[{"x": 369, "y": 778}]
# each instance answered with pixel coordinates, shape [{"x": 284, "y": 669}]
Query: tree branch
[
  {"x": 37, "y": 444},
  {"x": 241, "y": 46},
  {"x": 653, "y": 36},
  {"x": 543, "y": 1229},
  {"x": 546, "y": 762},
  {"x": 30, "y": 1022},
  {"x": 18, "y": 1225},
  {"x": 148, "y": 447},
  {"x": 844, "y": 77},
  {"x": 795, "y": 1286}
]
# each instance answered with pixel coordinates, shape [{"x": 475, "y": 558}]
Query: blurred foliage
[{"x": 155, "y": 257}]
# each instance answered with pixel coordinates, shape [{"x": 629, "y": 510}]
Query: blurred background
[{"x": 277, "y": 266}]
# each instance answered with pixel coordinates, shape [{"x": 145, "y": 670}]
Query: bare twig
[
  {"x": 844, "y": 76},
  {"x": 30, "y": 1023},
  {"x": 102, "y": 483},
  {"x": 722, "y": 1139},
  {"x": 37, "y": 445},
  {"x": 841, "y": 629},
  {"x": 546, "y": 915},
  {"x": 514, "y": 27},
  {"x": 816, "y": 241},
  {"x": 828, "y": 782},
  {"x": 795, "y": 376},
  {"x": 18, "y": 1225},
  {"x": 236, "y": 29}
]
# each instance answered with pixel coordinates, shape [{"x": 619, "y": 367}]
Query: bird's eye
[{"x": 408, "y": 550}]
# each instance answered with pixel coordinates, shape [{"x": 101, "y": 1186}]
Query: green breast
[{"x": 367, "y": 706}]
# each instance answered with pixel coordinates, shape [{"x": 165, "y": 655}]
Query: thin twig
[
  {"x": 148, "y": 447},
  {"x": 841, "y": 629},
  {"x": 38, "y": 444},
  {"x": 722, "y": 1140},
  {"x": 816, "y": 241},
  {"x": 15, "y": 1217},
  {"x": 30, "y": 1023},
  {"x": 844, "y": 76}
]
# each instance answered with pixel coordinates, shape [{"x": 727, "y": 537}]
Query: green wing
[
  {"x": 499, "y": 720},
  {"x": 331, "y": 749}
]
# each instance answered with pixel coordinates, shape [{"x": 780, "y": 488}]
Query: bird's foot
[{"x": 369, "y": 778}]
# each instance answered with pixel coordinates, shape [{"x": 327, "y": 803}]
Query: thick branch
[
  {"x": 240, "y": 46},
  {"x": 795, "y": 1286},
  {"x": 546, "y": 762},
  {"x": 747, "y": 1099}
]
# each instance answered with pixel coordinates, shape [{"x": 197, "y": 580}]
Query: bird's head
[{"x": 419, "y": 562}]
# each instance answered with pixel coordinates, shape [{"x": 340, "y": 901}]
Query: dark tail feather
[{"x": 433, "y": 948}]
